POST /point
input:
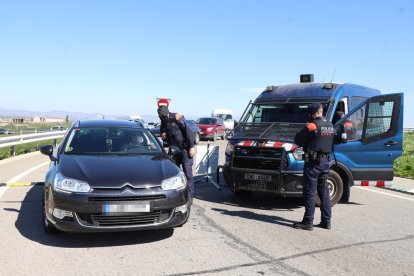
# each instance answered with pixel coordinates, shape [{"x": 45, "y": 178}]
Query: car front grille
[
  {"x": 126, "y": 198},
  {"x": 133, "y": 219}
]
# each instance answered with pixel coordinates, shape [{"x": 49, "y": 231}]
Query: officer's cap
[
  {"x": 163, "y": 111},
  {"x": 313, "y": 108}
]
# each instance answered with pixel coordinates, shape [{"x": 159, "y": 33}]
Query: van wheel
[{"x": 335, "y": 186}]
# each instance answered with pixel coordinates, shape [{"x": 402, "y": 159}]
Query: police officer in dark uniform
[
  {"x": 317, "y": 139},
  {"x": 175, "y": 130}
]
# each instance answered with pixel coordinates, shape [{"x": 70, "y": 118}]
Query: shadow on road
[
  {"x": 207, "y": 192},
  {"x": 258, "y": 217},
  {"x": 29, "y": 224}
]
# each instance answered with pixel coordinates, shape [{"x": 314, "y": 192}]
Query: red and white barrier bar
[
  {"x": 373, "y": 183},
  {"x": 269, "y": 144}
]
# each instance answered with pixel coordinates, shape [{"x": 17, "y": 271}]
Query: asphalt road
[{"x": 225, "y": 235}]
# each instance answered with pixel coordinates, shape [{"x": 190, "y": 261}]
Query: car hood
[{"x": 116, "y": 171}]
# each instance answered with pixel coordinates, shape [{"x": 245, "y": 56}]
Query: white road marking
[
  {"x": 21, "y": 175},
  {"x": 383, "y": 193}
]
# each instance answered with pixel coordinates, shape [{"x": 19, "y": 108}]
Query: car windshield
[
  {"x": 225, "y": 117},
  {"x": 206, "y": 121},
  {"x": 279, "y": 112},
  {"x": 111, "y": 140}
]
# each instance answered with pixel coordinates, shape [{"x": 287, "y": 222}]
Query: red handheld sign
[{"x": 161, "y": 102}]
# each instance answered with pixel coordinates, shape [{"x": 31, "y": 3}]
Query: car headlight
[
  {"x": 66, "y": 184},
  {"x": 297, "y": 153},
  {"x": 230, "y": 149},
  {"x": 210, "y": 129},
  {"x": 174, "y": 183}
]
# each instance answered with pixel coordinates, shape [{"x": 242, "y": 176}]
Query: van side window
[
  {"x": 379, "y": 118},
  {"x": 357, "y": 118},
  {"x": 356, "y": 100}
]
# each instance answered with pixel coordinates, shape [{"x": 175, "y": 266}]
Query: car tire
[
  {"x": 215, "y": 136},
  {"x": 47, "y": 226},
  {"x": 335, "y": 186}
]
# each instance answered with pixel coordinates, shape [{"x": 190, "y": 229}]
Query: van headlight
[
  {"x": 174, "y": 183},
  {"x": 66, "y": 184},
  {"x": 297, "y": 153},
  {"x": 230, "y": 149}
]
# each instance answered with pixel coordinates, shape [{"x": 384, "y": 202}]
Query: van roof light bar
[
  {"x": 306, "y": 78},
  {"x": 270, "y": 88}
]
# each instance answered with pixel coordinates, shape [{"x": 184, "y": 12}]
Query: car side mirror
[
  {"x": 48, "y": 150},
  {"x": 174, "y": 150}
]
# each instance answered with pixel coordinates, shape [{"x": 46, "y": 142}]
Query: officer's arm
[
  {"x": 305, "y": 134},
  {"x": 186, "y": 129},
  {"x": 163, "y": 131}
]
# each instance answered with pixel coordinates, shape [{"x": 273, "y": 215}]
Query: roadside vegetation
[
  {"x": 26, "y": 148},
  {"x": 404, "y": 166}
]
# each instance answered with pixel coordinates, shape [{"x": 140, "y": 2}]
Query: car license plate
[
  {"x": 258, "y": 177},
  {"x": 115, "y": 208}
]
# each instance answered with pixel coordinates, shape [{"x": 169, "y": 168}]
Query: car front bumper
[{"x": 165, "y": 210}]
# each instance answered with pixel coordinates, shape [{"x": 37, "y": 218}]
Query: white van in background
[{"x": 226, "y": 115}]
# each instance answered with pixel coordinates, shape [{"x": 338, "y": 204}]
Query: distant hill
[{"x": 13, "y": 113}]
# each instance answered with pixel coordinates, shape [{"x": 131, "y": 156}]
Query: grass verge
[
  {"x": 404, "y": 165},
  {"x": 26, "y": 148}
]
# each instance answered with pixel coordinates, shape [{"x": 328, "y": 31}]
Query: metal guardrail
[
  {"x": 408, "y": 129},
  {"x": 11, "y": 141}
]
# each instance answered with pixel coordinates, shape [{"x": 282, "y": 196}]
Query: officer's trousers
[
  {"x": 186, "y": 163},
  {"x": 314, "y": 180}
]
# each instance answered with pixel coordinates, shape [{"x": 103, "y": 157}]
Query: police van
[{"x": 261, "y": 154}]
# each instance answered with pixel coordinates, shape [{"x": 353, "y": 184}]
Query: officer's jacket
[
  {"x": 178, "y": 131},
  {"x": 317, "y": 136}
]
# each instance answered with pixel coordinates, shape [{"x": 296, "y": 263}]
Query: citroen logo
[{"x": 127, "y": 185}]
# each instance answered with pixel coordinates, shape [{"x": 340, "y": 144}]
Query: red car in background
[{"x": 211, "y": 128}]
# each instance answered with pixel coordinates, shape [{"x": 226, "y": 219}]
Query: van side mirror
[{"x": 341, "y": 136}]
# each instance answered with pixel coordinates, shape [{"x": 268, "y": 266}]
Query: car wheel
[
  {"x": 197, "y": 138},
  {"x": 335, "y": 186},
  {"x": 215, "y": 136},
  {"x": 47, "y": 226}
]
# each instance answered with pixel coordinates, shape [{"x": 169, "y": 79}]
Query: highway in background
[{"x": 225, "y": 235}]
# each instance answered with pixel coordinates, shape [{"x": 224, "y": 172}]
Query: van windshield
[
  {"x": 275, "y": 121},
  {"x": 280, "y": 112}
]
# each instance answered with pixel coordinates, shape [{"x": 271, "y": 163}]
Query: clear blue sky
[{"x": 116, "y": 57}]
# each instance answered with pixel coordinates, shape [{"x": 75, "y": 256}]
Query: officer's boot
[
  {"x": 325, "y": 224},
  {"x": 303, "y": 225}
]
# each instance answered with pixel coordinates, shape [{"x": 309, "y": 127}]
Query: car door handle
[{"x": 391, "y": 143}]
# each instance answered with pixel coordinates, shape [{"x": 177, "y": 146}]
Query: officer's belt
[{"x": 319, "y": 154}]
